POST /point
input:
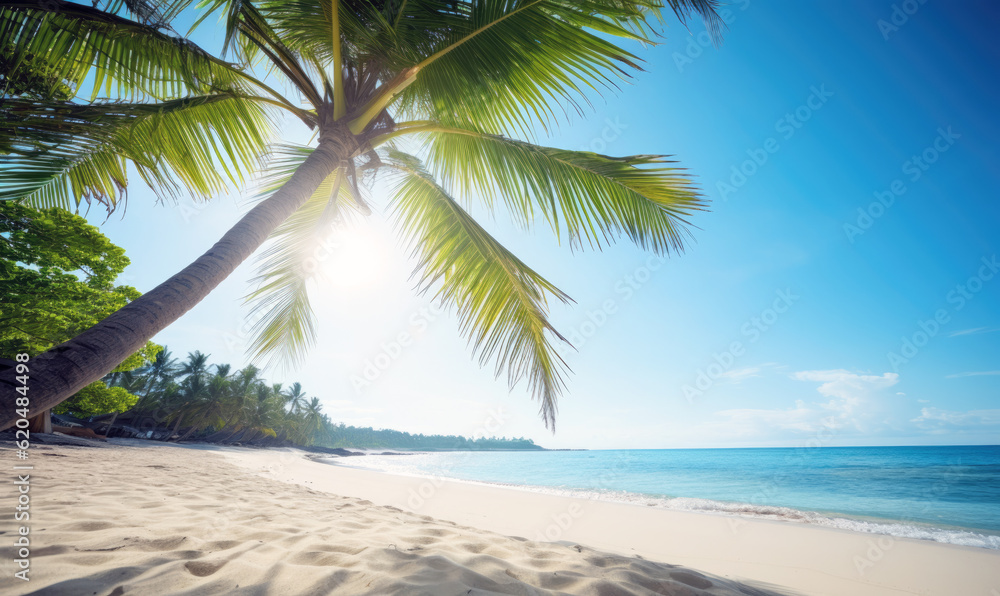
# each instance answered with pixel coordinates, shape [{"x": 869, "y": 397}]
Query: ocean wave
[
  {"x": 896, "y": 529},
  {"x": 912, "y": 530}
]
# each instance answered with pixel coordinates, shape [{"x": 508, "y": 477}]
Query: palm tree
[
  {"x": 312, "y": 420},
  {"x": 295, "y": 397},
  {"x": 263, "y": 413},
  {"x": 186, "y": 403},
  {"x": 209, "y": 405},
  {"x": 161, "y": 370},
  {"x": 241, "y": 389},
  {"x": 196, "y": 365},
  {"x": 130, "y": 381},
  {"x": 465, "y": 77}
]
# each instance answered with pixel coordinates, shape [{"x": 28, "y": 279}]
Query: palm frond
[
  {"x": 245, "y": 23},
  {"x": 501, "y": 303},
  {"x": 116, "y": 56},
  {"x": 708, "y": 10},
  {"x": 590, "y": 197},
  {"x": 285, "y": 325},
  {"x": 61, "y": 153},
  {"x": 551, "y": 55},
  {"x": 158, "y": 14},
  {"x": 66, "y": 179}
]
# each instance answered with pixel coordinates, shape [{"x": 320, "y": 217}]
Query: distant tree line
[
  {"x": 367, "y": 437},
  {"x": 192, "y": 399}
]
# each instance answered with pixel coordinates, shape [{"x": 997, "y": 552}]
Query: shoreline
[
  {"x": 806, "y": 558},
  {"x": 875, "y": 526},
  {"x": 156, "y": 519},
  {"x": 153, "y": 518},
  {"x": 956, "y": 535}
]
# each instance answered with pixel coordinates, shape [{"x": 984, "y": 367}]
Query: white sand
[{"x": 170, "y": 520}]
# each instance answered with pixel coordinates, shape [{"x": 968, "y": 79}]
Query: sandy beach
[{"x": 147, "y": 518}]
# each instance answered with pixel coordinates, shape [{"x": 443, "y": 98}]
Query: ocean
[{"x": 947, "y": 494}]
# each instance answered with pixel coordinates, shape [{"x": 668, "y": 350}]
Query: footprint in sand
[
  {"x": 93, "y": 526},
  {"x": 203, "y": 568},
  {"x": 154, "y": 545}
]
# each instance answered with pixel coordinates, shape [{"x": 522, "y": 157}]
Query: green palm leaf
[
  {"x": 285, "y": 324},
  {"x": 548, "y": 59},
  {"x": 63, "y": 153},
  {"x": 501, "y": 303},
  {"x": 589, "y": 196},
  {"x": 124, "y": 57}
]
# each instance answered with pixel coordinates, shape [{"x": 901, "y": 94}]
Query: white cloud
[
  {"x": 900, "y": 393},
  {"x": 974, "y": 374},
  {"x": 752, "y": 422},
  {"x": 845, "y": 392},
  {"x": 738, "y": 375},
  {"x": 845, "y": 389},
  {"x": 843, "y": 383},
  {"x": 974, "y": 331},
  {"x": 931, "y": 417},
  {"x": 801, "y": 418}
]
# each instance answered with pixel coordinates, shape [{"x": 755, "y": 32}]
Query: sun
[{"x": 356, "y": 257}]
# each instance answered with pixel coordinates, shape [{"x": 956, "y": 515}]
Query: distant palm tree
[
  {"x": 131, "y": 381},
  {"x": 465, "y": 77},
  {"x": 184, "y": 405},
  {"x": 244, "y": 387},
  {"x": 264, "y": 412},
  {"x": 158, "y": 372},
  {"x": 295, "y": 398},
  {"x": 208, "y": 406},
  {"x": 196, "y": 365},
  {"x": 312, "y": 420}
]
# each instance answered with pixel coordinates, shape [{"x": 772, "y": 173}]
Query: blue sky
[{"x": 841, "y": 291}]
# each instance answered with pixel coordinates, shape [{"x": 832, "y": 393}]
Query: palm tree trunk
[
  {"x": 193, "y": 428},
  {"x": 65, "y": 369},
  {"x": 107, "y": 431},
  {"x": 231, "y": 435},
  {"x": 176, "y": 426}
]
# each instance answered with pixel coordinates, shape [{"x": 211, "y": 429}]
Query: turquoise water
[{"x": 948, "y": 494}]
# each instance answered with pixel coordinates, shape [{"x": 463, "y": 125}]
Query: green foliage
[
  {"x": 285, "y": 322},
  {"x": 143, "y": 357},
  {"x": 501, "y": 302},
  {"x": 59, "y": 273},
  {"x": 211, "y": 400},
  {"x": 122, "y": 58},
  {"x": 31, "y": 76},
  {"x": 63, "y": 153},
  {"x": 593, "y": 198},
  {"x": 97, "y": 398},
  {"x": 371, "y": 438}
]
